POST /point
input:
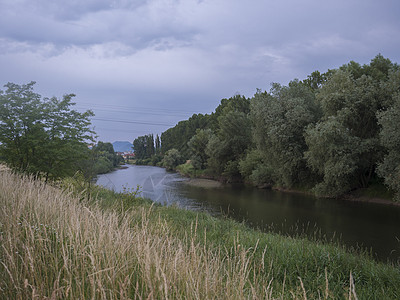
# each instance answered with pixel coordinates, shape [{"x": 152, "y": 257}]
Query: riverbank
[
  {"x": 200, "y": 179},
  {"x": 204, "y": 183},
  {"x": 365, "y": 199},
  {"x": 354, "y": 196},
  {"x": 120, "y": 246}
]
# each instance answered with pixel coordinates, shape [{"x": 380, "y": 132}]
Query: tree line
[
  {"x": 330, "y": 133},
  {"x": 147, "y": 149}
]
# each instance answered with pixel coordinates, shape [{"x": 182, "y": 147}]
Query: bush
[
  {"x": 262, "y": 176},
  {"x": 186, "y": 169},
  {"x": 247, "y": 165},
  {"x": 103, "y": 165},
  {"x": 156, "y": 159},
  {"x": 172, "y": 159},
  {"x": 231, "y": 171}
]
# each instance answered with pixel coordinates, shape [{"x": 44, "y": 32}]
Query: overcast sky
[{"x": 142, "y": 66}]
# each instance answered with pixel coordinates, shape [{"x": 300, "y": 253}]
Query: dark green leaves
[{"x": 39, "y": 136}]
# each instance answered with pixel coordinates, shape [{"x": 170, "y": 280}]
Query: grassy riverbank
[
  {"x": 375, "y": 193},
  {"x": 59, "y": 245}
]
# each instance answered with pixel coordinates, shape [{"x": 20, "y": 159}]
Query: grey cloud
[
  {"x": 138, "y": 26},
  {"x": 185, "y": 53},
  {"x": 69, "y": 10}
]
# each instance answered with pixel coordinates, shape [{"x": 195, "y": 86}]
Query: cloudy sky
[{"x": 142, "y": 66}]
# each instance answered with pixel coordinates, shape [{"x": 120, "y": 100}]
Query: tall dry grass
[{"x": 53, "y": 246}]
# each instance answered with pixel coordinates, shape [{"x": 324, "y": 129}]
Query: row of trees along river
[{"x": 329, "y": 134}]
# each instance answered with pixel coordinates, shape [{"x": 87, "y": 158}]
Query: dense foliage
[
  {"x": 42, "y": 136},
  {"x": 178, "y": 136},
  {"x": 172, "y": 159},
  {"x": 332, "y": 132},
  {"x": 48, "y": 139},
  {"x": 389, "y": 167},
  {"x": 147, "y": 150},
  {"x": 279, "y": 121},
  {"x": 144, "y": 146},
  {"x": 344, "y": 147},
  {"x": 105, "y": 158}
]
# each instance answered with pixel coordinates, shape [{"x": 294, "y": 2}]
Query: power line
[
  {"x": 131, "y": 122},
  {"x": 136, "y": 112},
  {"x": 117, "y": 130},
  {"x": 152, "y": 109}
]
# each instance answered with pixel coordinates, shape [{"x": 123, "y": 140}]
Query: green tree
[
  {"x": 279, "y": 121},
  {"x": 344, "y": 146},
  {"x": 228, "y": 146},
  {"x": 215, "y": 151},
  {"x": 379, "y": 68},
  {"x": 315, "y": 80},
  {"x": 333, "y": 153},
  {"x": 106, "y": 157},
  {"x": 237, "y": 103},
  {"x": 172, "y": 159},
  {"x": 197, "y": 146},
  {"x": 389, "y": 168},
  {"x": 139, "y": 146},
  {"x": 150, "y": 149},
  {"x": 144, "y": 146},
  {"x": 42, "y": 136},
  {"x": 255, "y": 170},
  {"x": 158, "y": 145},
  {"x": 178, "y": 136},
  {"x": 104, "y": 147}
]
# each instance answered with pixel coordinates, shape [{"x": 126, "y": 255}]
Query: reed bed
[{"x": 54, "y": 245}]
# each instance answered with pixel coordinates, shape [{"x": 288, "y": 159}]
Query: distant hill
[{"x": 122, "y": 146}]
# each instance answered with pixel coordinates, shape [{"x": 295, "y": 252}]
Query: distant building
[
  {"x": 126, "y": 155},
  {"x": 129, "y": 156}
]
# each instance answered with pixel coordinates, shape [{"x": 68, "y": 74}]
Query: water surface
[{"x": 370, "y": 225}]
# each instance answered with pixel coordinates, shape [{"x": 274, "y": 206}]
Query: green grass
[
  {"x": 188, "y": 170},
  {"x": 56, "y": 244},
  {"x": 291, "y": 258}
]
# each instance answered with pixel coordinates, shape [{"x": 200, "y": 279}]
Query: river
[{"x": 372, "y": 226}]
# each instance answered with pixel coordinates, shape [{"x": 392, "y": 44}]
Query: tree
[
  {"x": 197, "y": 146},
  {"x": 150, "y": 149},
  {"x": 389, "y": 168},
  {"x": 42, "y": 136},
  {"x": 333, "y": 153},
  {"x": 158, "y": 145},
  {"x": 344, "y": 145},
  {"x": 139, "y": 146},
  {"x": 172, "y": 159},
  {"x": 105, "y": 156},
  {"x": 229, "y": 144},
  {"x": 178, "y": 136},
  {"x": 104, "y": 147},
  {"x": 279, "y": 119},
  {"x": 315, "y": 80},
  {"x": 236, "y": 103},
  {"x": 144, "y": 146}
]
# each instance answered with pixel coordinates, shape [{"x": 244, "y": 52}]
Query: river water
[{"x": 372, "y": 226}]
